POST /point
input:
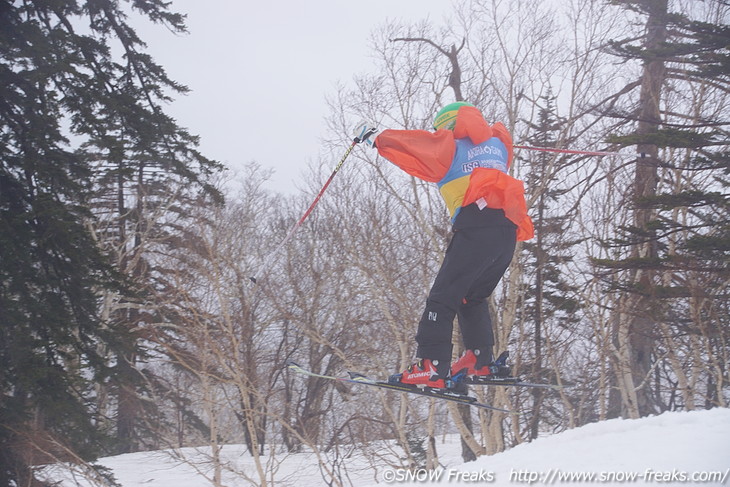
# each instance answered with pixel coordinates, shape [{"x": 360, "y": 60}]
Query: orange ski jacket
[{"x": 469, "y": 165}]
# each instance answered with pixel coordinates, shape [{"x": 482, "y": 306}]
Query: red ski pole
[
  {"x": 571, "y": 151},
  {"x": 296, "y": 226}
]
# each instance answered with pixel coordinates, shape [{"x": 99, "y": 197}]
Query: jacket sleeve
[
  {"x": 422, "y": 154},
  {"x": 501, "y": 132}
]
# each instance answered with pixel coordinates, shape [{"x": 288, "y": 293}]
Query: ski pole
[
  {"x": 296, "y": 226},
  {"x": 571, "y": 151}
]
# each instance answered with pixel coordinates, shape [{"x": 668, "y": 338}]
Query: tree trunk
[{"x": 644, "y": 307}]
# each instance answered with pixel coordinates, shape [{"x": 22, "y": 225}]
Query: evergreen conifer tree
[
  {"x": 677, "y": 246},
  {"x": 66, "y": 103},
  {"x": 549, "y": 298}
]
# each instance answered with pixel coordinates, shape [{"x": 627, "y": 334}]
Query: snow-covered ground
[{"x": 681, "y": 448}]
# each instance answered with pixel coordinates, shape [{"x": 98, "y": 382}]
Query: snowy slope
[
  {"x": 683, "y": 448},
  {"x": 661, "y": 450}
]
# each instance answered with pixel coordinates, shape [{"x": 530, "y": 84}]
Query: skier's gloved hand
[{"x": 365, "y": 132}]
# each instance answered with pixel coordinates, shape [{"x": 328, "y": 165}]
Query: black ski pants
[{"x": 475, "y": 260}]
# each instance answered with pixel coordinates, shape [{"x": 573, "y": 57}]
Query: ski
[{"x": 356, "y": 378}]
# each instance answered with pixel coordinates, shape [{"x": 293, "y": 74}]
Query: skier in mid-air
[{"x": 469, "y": 160}]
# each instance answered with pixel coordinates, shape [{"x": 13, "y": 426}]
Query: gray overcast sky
[{"x": 261, "y": 69}]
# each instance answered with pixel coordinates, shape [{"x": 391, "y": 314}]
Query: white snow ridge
[{"x": 678, "y": 448}]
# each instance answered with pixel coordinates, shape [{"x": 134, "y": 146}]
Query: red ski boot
[
  {"x": 479, "y": 363},
  {"x": 426, "y": 372},
  {"x": 472, "y": 363}
]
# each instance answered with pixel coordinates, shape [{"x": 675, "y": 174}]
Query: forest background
[{"x": 129, "y": 321}]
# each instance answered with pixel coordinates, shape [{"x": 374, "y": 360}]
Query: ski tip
[
  {"x": 290, "y": 364},
  {"x": 356, "y": 376}
]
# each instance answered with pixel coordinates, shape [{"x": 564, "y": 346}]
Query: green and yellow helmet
[{"x": 446, "y": 117}]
